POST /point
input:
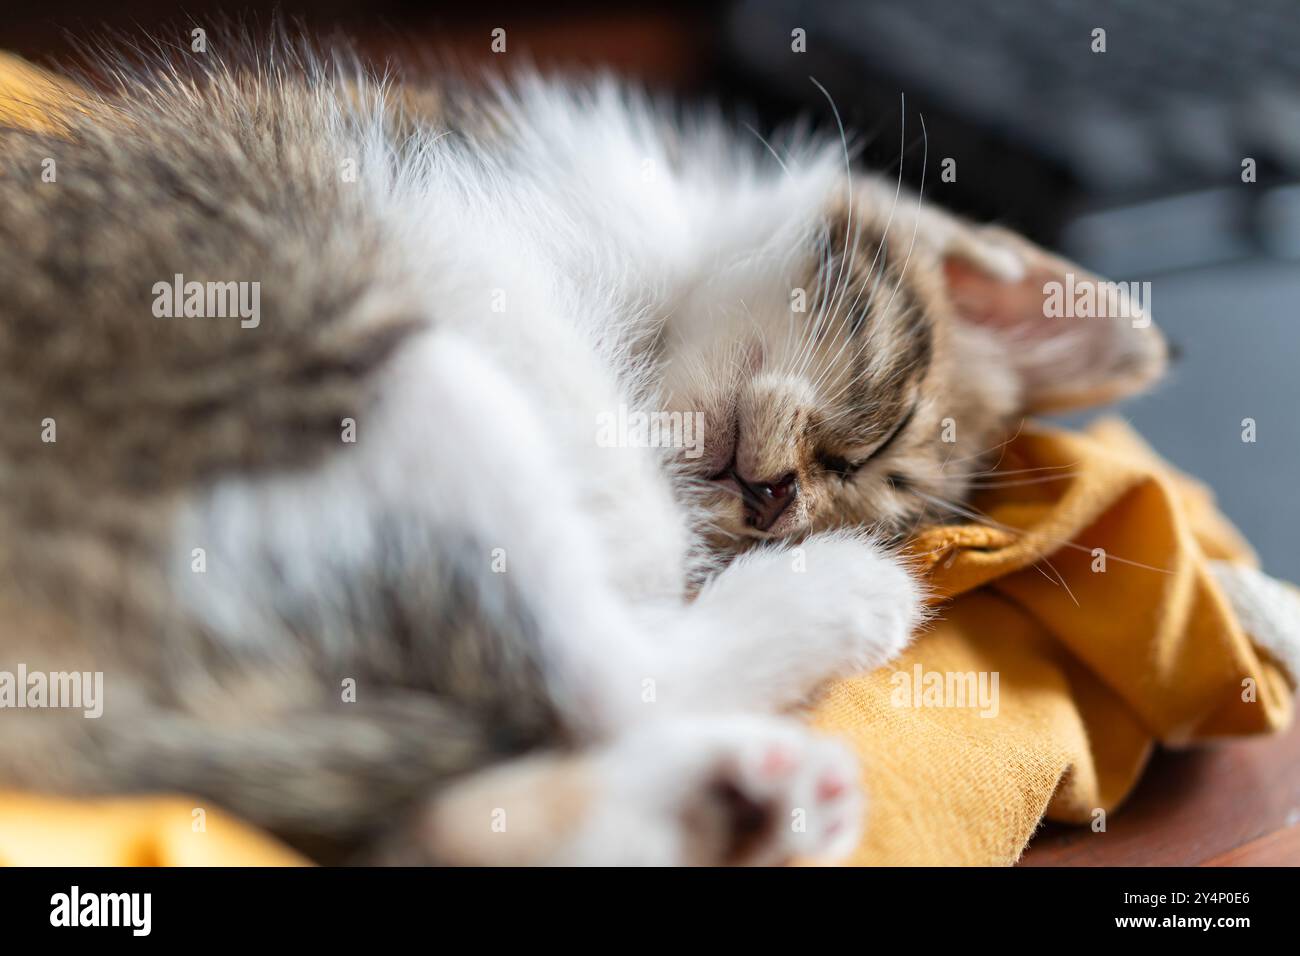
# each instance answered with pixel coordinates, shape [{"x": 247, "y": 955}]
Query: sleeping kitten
[
  {"x": 922, "y": 342},
  {"x": 360, "y": 570}
]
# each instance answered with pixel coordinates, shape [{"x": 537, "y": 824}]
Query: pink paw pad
[
  {"x": 830, "y": 786},
  {"x": 777, "y": 762}
]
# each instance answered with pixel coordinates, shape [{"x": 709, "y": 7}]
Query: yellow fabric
[
  {"x": 141, "y": 831},
  {"x": 1093, "y": 666}
]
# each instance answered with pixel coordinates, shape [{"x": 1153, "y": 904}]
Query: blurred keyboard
[{"x": 1184, "y": 92}]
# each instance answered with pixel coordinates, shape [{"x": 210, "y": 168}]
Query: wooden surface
[{"x": 1236, "y": 803}]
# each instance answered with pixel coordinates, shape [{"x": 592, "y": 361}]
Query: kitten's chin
[
  {"x": 724, "y": 535},
  {"x": 730, "y": 536}
]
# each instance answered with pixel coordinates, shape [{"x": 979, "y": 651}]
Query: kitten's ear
[{"x": 1073, "y": 339}]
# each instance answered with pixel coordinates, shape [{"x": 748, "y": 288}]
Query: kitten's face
[{"x": 866, "y": 384}]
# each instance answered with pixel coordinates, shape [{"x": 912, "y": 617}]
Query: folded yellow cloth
[
  {"x": 141, "y": 831},
  {"x": 1092, "y": 665},
  {"x": 1096, "y": 654}
]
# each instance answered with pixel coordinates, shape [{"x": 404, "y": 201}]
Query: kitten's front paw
[
  {"x": 779, "y": 622},
  {"x": 834, "y": 604},
  {"x": 861, "y": 597},
  {"x": 746, "y": 790}
]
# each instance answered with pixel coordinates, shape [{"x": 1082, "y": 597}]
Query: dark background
[{"x": 1129, "y": 160}]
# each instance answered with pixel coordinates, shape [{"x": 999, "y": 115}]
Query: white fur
[{"x": 1268, "y": 609}]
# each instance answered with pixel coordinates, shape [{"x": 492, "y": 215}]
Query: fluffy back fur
[{"x": 161, "y": 425}]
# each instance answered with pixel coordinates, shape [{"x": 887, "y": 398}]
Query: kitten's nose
[{"x": 766, "y": 501}]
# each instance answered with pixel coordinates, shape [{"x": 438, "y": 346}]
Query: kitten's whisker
[
  {"x": 762, "y": 332},
  {"x": 1059, "y": 579},
  {"x": 923, "y": 515},
  {"x": 1020, "y": 471},
  {"x": 1019, "y": 482},
  {"x": 810, "y": 330},
  {"x": 828, "y": 366},
  {"x": 980, "y": 517},
  {"x": 850, "y": 381},
  {"x": 827, "y": 307},
  {"x": 1000, "y": 445},
  {"x": 925, "y": 156},
  {"x": 759, "y": 137},
  {"x": 892, "y": 210},
  {"x": 796, "y": 329}
]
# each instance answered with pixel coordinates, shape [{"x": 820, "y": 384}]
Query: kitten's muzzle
[{"x": 765, "y": 501}]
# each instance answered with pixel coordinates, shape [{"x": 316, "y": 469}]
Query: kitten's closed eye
[
  {"x": 846, "y": 467},
  {"x": 837, "y": 465},
  {"x": 899, "y": 482}
]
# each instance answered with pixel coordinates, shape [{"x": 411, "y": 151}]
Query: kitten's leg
[
  {"x": 710, "y": 791},
  {"x": 778, "y": 622},
  {"x": 517, "y": 490}
]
